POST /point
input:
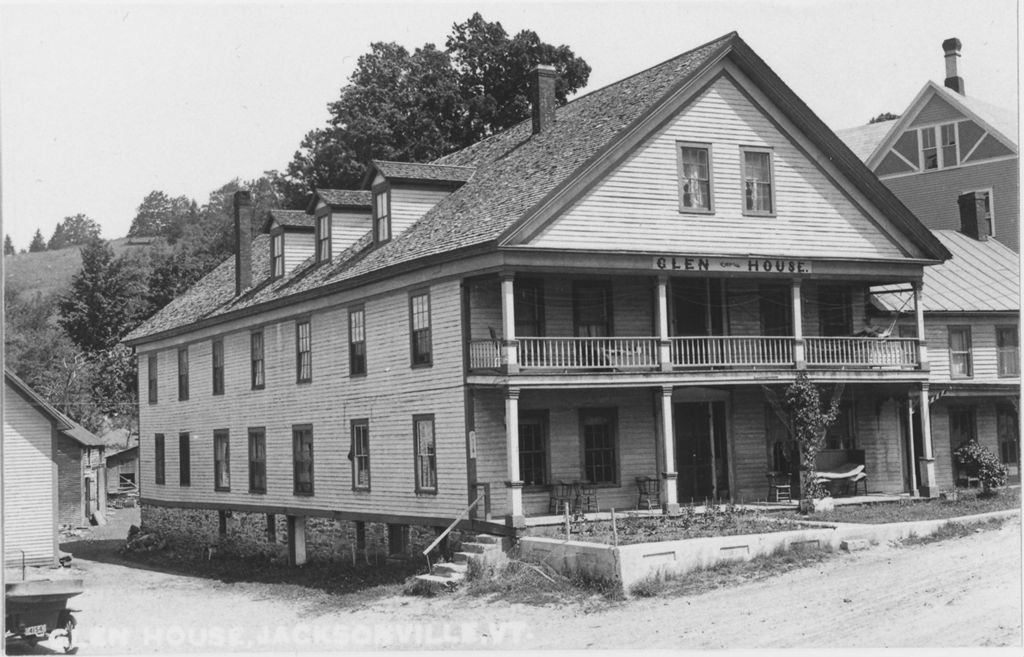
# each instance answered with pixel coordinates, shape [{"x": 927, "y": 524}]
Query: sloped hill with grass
[{"x": 51, "y": 271}]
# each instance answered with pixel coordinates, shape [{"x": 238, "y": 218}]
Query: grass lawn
[
  {"x": 726, "y": 520},
  {"x": 969, "y": 502}
]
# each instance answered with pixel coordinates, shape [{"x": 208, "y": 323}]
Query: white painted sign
[{"x": 747, "y": 265}]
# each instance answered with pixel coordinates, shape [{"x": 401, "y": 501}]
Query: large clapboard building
[{"x": 597, "y": 294}]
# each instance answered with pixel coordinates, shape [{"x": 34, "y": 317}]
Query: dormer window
[
  {"x": 323, "y": 237},
  {"x": 382, "y": 216},
  {"x": 939, "y": 146},
  {"x": 277, "y": 256}
]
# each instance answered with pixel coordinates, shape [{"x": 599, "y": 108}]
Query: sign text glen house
[{"x": 760, "y": 265}]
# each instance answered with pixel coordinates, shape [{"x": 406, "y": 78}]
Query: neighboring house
[
  {"x": 949, "y": 151},
  {"x": 123, "y": 470},
  {"x": 953, "y": 160},
  {"x": 596, "y": 294},
  {"x": 50, "y": 474}
]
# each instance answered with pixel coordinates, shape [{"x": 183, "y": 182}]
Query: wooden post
[
  {"x": 271, "y": 528},
  {"x": 670, "y": 492},
  {"x": 565, "y": 506},
  {"x": 508, "y": 324},
  {"x": 296, "y": 540},
  {"x": 922, "y": 339},
  {"x": 910, "y": 445},
  {"x": 928, "y": 486},
  {"x": 615, "y": 529},
  {"x": 661, "y": 313},
  {"x": 514, "y": 483},
  {"x": 799, "y": 355}
]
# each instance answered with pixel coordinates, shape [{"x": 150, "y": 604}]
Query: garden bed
[
  {"x": 967, "y": 503},
  {"x": 727, "y": 520}
]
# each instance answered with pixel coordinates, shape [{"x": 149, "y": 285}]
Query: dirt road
[{"x": 960, "y": 592}]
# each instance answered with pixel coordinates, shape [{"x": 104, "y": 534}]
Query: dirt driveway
[{"x": 960, "y": 592}]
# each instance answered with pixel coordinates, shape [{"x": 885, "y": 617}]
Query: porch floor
[{"x": 541, "y": 520}]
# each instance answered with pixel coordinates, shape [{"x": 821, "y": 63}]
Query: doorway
[{"x": 701, "y": 451}]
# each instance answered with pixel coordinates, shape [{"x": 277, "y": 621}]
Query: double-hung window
[
  {"x": 694, "y": 162},
  {"x": 419, "y": 320},
  {"x": 184, "y": 459},
  {"x": 357, "y": 341},
  {"x": 323, "y": 237},
  {"x": 183, "y": 374},
  {"x": 218, "y": 367},
  {"x": 361, "y": 454},
  {"x": 960, "y": 360},
  {"x": 939, "y": 146},
  {"x": 303, "y": 352},
  {"x": 758, "y": 189},
  {"x": 257, "y": 460},
  {"x": 382, "y": 216},
  {"x": 302, "y": 452},
  {"x": 426, "y": 453},
  {"x": 1008, "y": 350},
  {"x": 599, "y": 435},
  {"x": 151, "y": 375},
  {"x": 592, "y": 308},
  {"x": 533, "y": 448},
  {"x": 277, "y": 255},
  {"x": 221, "y": 460},
  {"x": 256, "y": 359},
  {"x": 159, "y": 472}
]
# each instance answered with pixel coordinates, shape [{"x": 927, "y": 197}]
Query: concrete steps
[{"x": 483, "y": 550}]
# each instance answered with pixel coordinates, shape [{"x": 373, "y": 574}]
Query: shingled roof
[
  {"x": 289, "y": 219},
  {"x": 414, "y": 172},
  {"x": 346, "y": 198},
  {"x": 512, "y": 172}
]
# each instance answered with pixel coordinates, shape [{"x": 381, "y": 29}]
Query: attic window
[
  {"x": 694, "y": 161},
  {"x": 758, "y": 189},
  {"x": 382, "y": 216},
  {"x": 939, "y": 146},
  {"x": 323, "y": 237},
  {"x": 277, "y": 256}
]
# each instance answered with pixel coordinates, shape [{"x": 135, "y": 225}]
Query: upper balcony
[{"x": 646, "y": 324}]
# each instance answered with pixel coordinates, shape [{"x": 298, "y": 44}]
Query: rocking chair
[{"x": 649, "y": 489}]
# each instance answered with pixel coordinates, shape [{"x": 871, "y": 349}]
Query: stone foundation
[{"x": 195, "y": 530}]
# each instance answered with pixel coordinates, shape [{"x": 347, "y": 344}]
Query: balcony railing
[
  {"x": 884, "y": 353},
  {"x": 732, "y": 351},
  {"x": 696, "y": 353},
  {"x": 588, "y": 353}
]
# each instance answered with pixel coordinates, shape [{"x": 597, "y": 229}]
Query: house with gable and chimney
[
  {"x": 595, "y": 295},
  {"x": 952, "y": 159}
]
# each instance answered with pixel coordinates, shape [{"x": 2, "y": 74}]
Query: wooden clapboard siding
[
  {"x": 984, "y": 355},
  {"x": 637, "y": 205},
  {"x": 743, "y": 311},
  {"x": 484, "y": 308},
  {"x": 408, "y": 204},
  {"x": 749, "y": 444},
  {"x": 491, "y": 452},
  {"x": 932, "y": 196},
  {"x": 936, "y": 110},
  {"x": 878, "y": 434},
  {"x": 298, "y": 247},
  {"x": 388, "y": 395},
  {"x": 942, "y": 441},
  {"x": 29, "y": 469},
  {"x": 347, "y": 227}
]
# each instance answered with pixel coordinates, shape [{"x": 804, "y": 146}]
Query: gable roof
[
  {"x": 64, "y": 424},
  {"x": 514, "y": 173},
  {"x": 342, "y": 198},
  {"x": 413, "y": 172},
  {"x": 864, "y": 139},
  {"x": 1000, "y": 122},
  {"x": 289, "y": 219},
  {"x": 982, "y": 276}
]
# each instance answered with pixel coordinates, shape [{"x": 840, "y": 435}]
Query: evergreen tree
[
  {"x": 8, "y": 245},
  {"x": 38, "y": 243}
]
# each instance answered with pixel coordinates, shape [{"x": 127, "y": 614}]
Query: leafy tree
[
  {"x": 38, "y": 243},
  {"x": 78, "y": 229},
  {"x": 8, "y": 245},
  {"x": 104, "y": 302},
  {"x": 419, "y": 106},
  {"x": 884, "y": 116},
  {"x": 806, "y": 420},
  {"x": 159, "y": 215}
]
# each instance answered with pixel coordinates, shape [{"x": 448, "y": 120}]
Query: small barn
[
  {"x": 52, "y": 474},
  {"x": 123, "y": 471}
]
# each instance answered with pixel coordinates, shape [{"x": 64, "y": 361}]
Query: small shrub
[
  {"x": 973, "y": 457},
  {"x": 649, "y": 587}
]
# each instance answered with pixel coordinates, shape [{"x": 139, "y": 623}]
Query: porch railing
[
  {"x": 731, "y": 351},
  {"x": 484, "y": 354},
  {"x": 588, "y": 353},
  {"x": 900, "y": 353}
]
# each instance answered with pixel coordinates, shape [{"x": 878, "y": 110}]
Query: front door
[{"x": 701, "y": 453}]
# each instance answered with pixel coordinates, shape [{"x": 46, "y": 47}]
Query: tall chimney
[
  {"x": 975, "y": 220},
  {"x": 243, "y": 241},
  {"x": 952, "y": 49},
  {"x": 543, "y": 98}
]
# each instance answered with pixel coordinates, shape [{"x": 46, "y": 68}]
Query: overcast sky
[{"x": 101, "y": 104}]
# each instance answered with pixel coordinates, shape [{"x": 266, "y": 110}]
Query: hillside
[{"x": 51, "y": 271}]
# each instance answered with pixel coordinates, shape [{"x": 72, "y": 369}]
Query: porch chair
[
  {"x": 649, "y": 489},
  {"x": 562, "y": 494},
  {"x": 779, "y": 488},
  {"x": 860, "y": 479},
  {"x": 586, "y": 497}
]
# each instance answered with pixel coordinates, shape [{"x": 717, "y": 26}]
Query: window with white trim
[
  {"x": 757, "y": 182},
  {"x": 277, "y": 256},
  {"x": 426, "y": 453},
  {"x": 361, "y": 454},
  {"x": 694, "y": 178},
  {"x": 1008, "y": 350},
  {"x": 323, "y": 237},
  {"x": 961, "y": 364},
  {"x": 940, "y": 146},
  {"x": 382, "y": 216}
]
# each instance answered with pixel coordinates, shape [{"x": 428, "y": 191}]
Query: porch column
[
  {"x": 661, "y": 315},
  {"x": 798, "y": 326},
  {"x": 669, "y": 490},
  {"x": 508, "y": 324},
  {"x": 514, "y": 483},
  {"x": 296, "y": 540},
  {"x": 928, "y": 486},
  {"x": 922, "y": 341},
  {"x": 910, "y": 446}
]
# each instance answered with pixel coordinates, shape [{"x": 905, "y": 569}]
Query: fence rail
[
  {"x": 731, "y": 351},
  {"x": 484, "y": 354},
  {"x": 898, "y": 353},
  {"x": 588, "y": 353}
]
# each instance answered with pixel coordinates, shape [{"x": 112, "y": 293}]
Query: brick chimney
[
  {"x": 243, "y": 241},
  {"x": 974, "y": 217},
  {"x": 543, "y": 98},
  {"x": 952, "y": 49}
]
